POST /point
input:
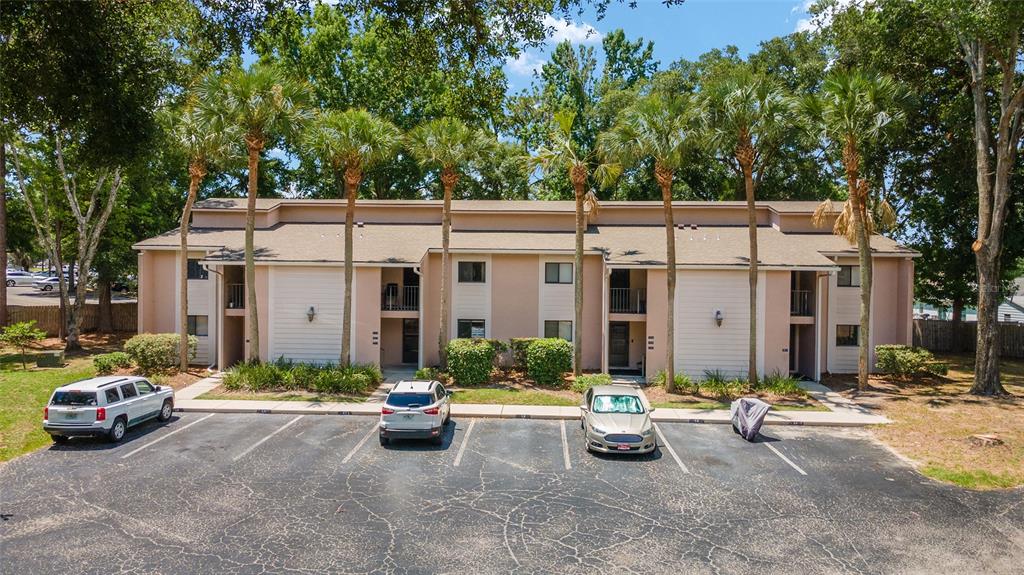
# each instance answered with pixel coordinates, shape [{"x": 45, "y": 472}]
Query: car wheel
[
  {"x": 117, "y": 430},
  {"x": 166, "y": 410},
  {"x": 447, "y": 418},
  {"x": 10, "y": 283},
  {"x": 439, "y": 440},
  {"x": 384, "y": 440},
  {"x": 60, "y": 439},
  {"x": 47, "y": 288}
]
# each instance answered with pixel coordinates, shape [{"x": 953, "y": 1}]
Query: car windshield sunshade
[
  {"x": 410, "y": 399},
  {"x": 617, "y": 404},
  {"x": 73, "y": 398}
]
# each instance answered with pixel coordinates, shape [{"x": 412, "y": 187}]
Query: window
[
  {"x": 112, "y": 396},
  {"x": 1006, "y": 317},
  {"x": 557, "y": 273},
  {"x": 617, "y": 404},
  {"x": 409, "y": 399},
  {"x": 196, "y": 271},
  {"x": 73, "y": 398},
  {"x": 198, "y": 325},
  {"x": 144, "y": 387},
  {"x": 471, "y": 328},
  {"x": 471, "y": 273},
  {"x": 849, "y": 276},
  {"x": 562, "y": 329},
  {"x": 128, "y": 391},
  {"x": 846, "y": 335}
]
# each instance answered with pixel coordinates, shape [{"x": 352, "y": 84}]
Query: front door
[
  {"x": 410, "y": 341},
  {"x": 618, "y": 344}
]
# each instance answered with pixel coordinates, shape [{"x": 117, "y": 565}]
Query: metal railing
[
  {"x": 404, "y": 298},
  {"x": 800, "y": 303},
  {"x": 236, "y": 296},
  {"x": 628, "y": 300}
]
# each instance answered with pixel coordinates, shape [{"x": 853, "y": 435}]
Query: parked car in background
[
  {"x": 615, "y": 420},
  {"x": 21, "y": 278},
  {"x": 50, "y": 284},
  {"x": 415, "y": 409},
  {"x": 105, "y": 406}
]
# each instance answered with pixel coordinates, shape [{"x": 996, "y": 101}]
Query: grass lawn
[
  {"x": 220, "y": 393},
  {"x": 935, "y": 417},
  {"x": 725, "y": 405},
  {"x": 513, "y": 396}
]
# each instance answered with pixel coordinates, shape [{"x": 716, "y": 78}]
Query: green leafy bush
[
  {"x": 372, "y": 372},
  {"x": 470, "y": 360},
  {"x": 547, "y": 359},
  {"x": 586, "y": 381},
  {"x": 518, "y": 346},
  {"x": 287, "y": 376},
  {"x": 431, "y": 373},
  {"x": 779, "y": 384},
  {"x": 903, "y": 360},
  {"x": 157, "y": 351},
  {"x": 724, "y": 389},
  {"x": 256, "y": 376},
  {"x": 107, "y": 363},
  {"x": 300, "y": 376},
  {"x": 684, "y": 384},
  {"x": 20, "y": 335}
]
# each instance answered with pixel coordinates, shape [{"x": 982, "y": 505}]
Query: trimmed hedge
[
  {"x": 107, "y": 363},
  {"x": 518, "y": 346},
  {"x": 470, "y": 360},
  {"x": 157, "y": 351},
  {"x": 585, "y": 382},
  {"x": 287, "y": 376},
  {"x": 547, "y": 359},
  {"x": 903, "y": 360}
]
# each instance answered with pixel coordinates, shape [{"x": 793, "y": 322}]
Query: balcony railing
[
  {"x": 236, "y": 296},
  {"x": 628, "y": 300},
  {"x": 800, "y": 303},
  {"x": 395, "y": 298}
]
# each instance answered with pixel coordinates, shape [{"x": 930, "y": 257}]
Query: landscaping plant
[
  {"x": 470, "y": 360},
  {"x": 783, "y": 385},
  {"x": 684, "y": 384},
  {"x": 107, "y": 363},
  {"x": 584, "y": 382},
  {"x": 21, "y": 334},
  {"x": 548, "y": 359},
  {"x": 904, "y": 361},
  {"x": 518, "y": 345},
  {"x": 157, "y": 351}
]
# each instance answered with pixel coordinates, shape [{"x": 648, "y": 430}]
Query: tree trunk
[
  {"x": 448, "y": 180},
  {"x": 986, "y": 361},
  {"x": 104, "y": 311},
  {"x": 353, "y": 176},
  {"x": 864, "y": 259},
  {"x": 748, "y": 184},
  {"x": 3, "y": 232},
  {"x": 664, "y": 177},
  {"x": 195, "y": 175},
  {"x": 252, "y": 352},
  {"x": 73, "y": 342},
  {"x": 579, "y": 185}
]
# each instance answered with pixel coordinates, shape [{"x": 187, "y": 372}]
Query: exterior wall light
[
  {"x": 311, "y": 313},
  {"x": 719, "y": 317}
]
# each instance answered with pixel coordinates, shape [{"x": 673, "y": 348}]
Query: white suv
[
  {"x": 105, "y": 406},
  {"x": 415, "y": 409}
]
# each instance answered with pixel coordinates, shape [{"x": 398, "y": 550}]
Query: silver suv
[
  {"x": 415, "y": 409},
  {"x": 105, "y": 406}
]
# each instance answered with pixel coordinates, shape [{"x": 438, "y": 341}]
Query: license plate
[
  {"x": 623, "y": 447},
  {"x": 407, "y": 415},
  {"x": 71, "y": 415}
]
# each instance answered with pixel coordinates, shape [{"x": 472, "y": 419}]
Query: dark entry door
[
  {"x": 618, "y": 344},
  {"x": 410, "y": 341}
]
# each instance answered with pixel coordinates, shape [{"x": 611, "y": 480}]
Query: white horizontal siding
[
  {"x": 557, "y": 301},
  {"x": 701, "y": 344},
  {"x": 198, "y": 297},
  {"x": 471, "y": 300},
  {"x": 292, "y": 291},
  {"x": 203, "y": 350},
  {"x": 1015, "y": 315}
]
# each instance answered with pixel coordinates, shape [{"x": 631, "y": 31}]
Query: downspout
[
  {"x": 419, "y": 319},
  {"x": 218, "y": 301}
]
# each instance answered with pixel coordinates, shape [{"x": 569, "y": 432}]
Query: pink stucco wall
[
  {"x": 657, "y": 313},
  {"x": 366, "y": 305},
  {"x": 262, "y": 312},
  {"x": 157, "y": 289},
  {"x": 430, "y": 312},
  {"x": 514, "y": 296},
  {"x": 776, "y": 322}
]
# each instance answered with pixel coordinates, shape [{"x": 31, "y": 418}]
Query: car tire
[
  {"x": 60, "y": 439},
  {"x": 166, "y": 410},
  {"x": 384, "y": 440},
  {"x": 10, "y": 283},
  {"x": 117, "y": 430},
  {"x": 47, "y": 288},
  {"x": 447, "y": 419},
  {"x": 439, "y": 440}
]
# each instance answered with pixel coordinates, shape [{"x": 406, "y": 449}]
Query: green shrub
[
  {"x": 518, "y": 346},
  {"x": 547, "y": 359},
  {"x": 287, "y": 376},
  {"x": 256, "y": 376},
  {"x": 779, "y": 384},
  {"x": 684, "y": 384},
  {"x": 431, "y": 373},
  {"x": 470, "y": 360},
  {"x": 157, "y": 351},
  {"x": 301, "y": 376},
  {"x": 902, "y": 360},
  {"x": 723, "y": 389},
  {"x": 585, "y": 382},
  {"x": 371, "y": 371},
  {"x": 107, "y": 363}
]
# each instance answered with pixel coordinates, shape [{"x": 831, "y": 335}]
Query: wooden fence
[
  {"x": 47, "y": 317},
  {"x": 941, "y": 336}
]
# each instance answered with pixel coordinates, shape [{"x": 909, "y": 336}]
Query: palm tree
[
  {"x": 746, "y": 118},
  {"x": 853, "y": 110},
  {"x": 659, "y": 127},
  {"x": 565, "y": 154},
  {"x": 449, "y": 145},
  {"x": 264, "y": 104},
  {"x": 350, "y": 142},
  {"x": 203, "y": 143}
]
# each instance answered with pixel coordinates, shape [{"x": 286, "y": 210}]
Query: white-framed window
[
  {"x": 847, "y": 335},
  {"x": 557, "y": 273},
  {"x": 558, "y": 328},
  {"x": 472, "y": 272},
  {"x": 196, "y": 271},
  {"x": 849, "y": 276},
  {"x": 198, "y": 325},
  {"x": 471, "y": 328}
]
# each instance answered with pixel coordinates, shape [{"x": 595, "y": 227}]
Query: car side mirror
[
  {"x": 650, "y": 410},
  {"x": 584, "y": 408}
]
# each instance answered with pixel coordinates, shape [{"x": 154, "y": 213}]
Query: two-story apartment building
[{"x": 512, "y": 276}]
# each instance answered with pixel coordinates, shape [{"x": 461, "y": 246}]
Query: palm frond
[{"x": 823, "y": 214}]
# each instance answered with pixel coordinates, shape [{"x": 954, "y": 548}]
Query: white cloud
[
  {"x": 560, "y": 31},
  {"x": 526, "y": 63},
  {"x": 824, "y": 19}
]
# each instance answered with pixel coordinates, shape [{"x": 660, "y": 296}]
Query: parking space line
[
  {"x": 565, "y": 447},
  {"x": 158, "y": 440},
  {"x": 786, "y": 459},
  {"x": 260, "y": 442},
  {"x": 465, "y": 440},
  {"x": 671, "y": 451},
  {"x": 361, "y": 443}
]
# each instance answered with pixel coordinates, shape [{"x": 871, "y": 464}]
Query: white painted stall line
[
  {"x": 369, "y": 434},
  {"x": 155, "y": 441},
  {"x": 265, "y": 439},
  {"x": 668, "y": 447},
  {"x": 465, "y": 440},
  {"x": 786, "y": 459},
  {"x": 565, "y": 447}
]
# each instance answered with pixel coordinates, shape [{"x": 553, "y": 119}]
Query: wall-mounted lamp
[
  {"x": 719, "y": 317},
  {"x": 311, "y": 313}
]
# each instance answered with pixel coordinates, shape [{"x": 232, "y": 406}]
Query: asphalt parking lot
[
  {"x": 28, "y": 295},
  {"x": 251, "y": 493}
]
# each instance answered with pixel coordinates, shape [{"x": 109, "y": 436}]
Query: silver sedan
[{"x": 615, "y": 420}]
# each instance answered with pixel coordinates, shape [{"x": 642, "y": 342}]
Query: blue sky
[{"x": 684, "y": 31}]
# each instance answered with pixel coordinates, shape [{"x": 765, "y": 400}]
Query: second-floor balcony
[
  {"x": 800, "y": 303},
  {"x": 400, "y": 298},
  {"x": 628, "y": 300},
  {"x": 236, "y": 296}
]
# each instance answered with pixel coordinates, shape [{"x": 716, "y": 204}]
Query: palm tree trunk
[
  {"x": 448, "y": 179},
  {"x": 664, "y": 177},
  {"x": 353, "y": 176},
  {"x": 252, "y": 352},
  {"x": 577, "y": 344},
  {"x": 3, "y": 232},
  {"x": 864, "y": 257},
  {"x": 186, "y": 216},
  {"x": 748, "y": 183}
]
